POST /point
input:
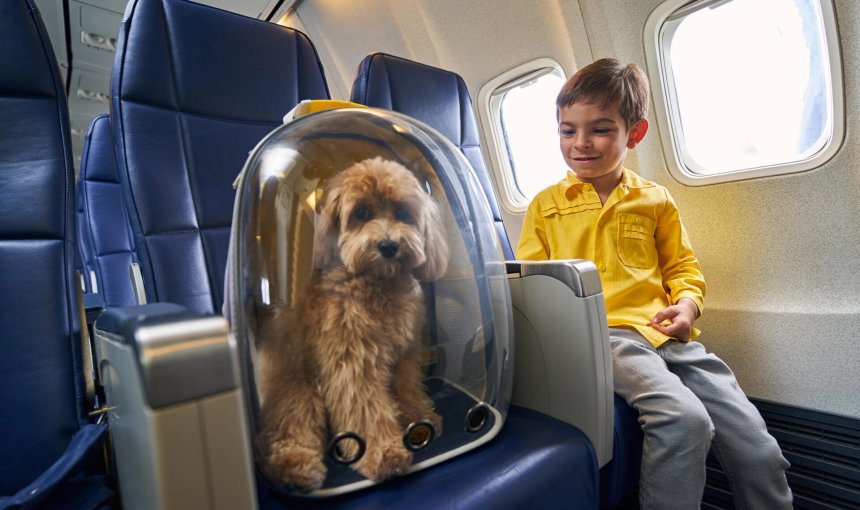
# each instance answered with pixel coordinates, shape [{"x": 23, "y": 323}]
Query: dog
[{"x": 350, "y": 359}]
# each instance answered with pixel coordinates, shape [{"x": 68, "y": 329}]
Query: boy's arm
[
  {"x": 682, "y": 274},
  {"x": 533, "y": 244}
]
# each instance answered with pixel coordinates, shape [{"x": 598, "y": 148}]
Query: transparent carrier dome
[{"x": 366, "y": 287}]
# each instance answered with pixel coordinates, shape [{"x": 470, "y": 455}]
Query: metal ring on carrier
[
  {"x": 419, "y": 435},
  {"x": 335, "y": 453},
  {"x": 477, "y": 417}
]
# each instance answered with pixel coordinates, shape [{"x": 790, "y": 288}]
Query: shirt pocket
[{"x": 636, "y": 246}]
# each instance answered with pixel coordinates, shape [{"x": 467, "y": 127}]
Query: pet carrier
[{"x": 367, "y": 291}]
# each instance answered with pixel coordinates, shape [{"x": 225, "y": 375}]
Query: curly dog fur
[{"x": 349, "y": 359}]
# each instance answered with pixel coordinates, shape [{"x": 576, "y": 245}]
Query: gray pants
[{"x": 689, "y": 401}]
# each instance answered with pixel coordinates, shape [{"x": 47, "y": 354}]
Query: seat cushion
[
  {"x": 621, "y": 474},
  {"x": 535, "y": 462}
]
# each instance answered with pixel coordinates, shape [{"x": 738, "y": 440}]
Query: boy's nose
[{"x": 582, "y": 142}]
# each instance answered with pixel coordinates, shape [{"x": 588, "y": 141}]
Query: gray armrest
[
  {"x": 562, "y": 364},
  {"x": 176, "y": 408}
]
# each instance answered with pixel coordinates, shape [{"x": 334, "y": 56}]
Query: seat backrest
[
  {"x": 193, "y": 90},
  {"x": 105, "y": 242},
  {"x": 41, "y": 388},
  {"x": 437, "y": 97}
]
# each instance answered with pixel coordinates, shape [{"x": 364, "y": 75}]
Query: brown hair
[{"x": 608, "y": 82}]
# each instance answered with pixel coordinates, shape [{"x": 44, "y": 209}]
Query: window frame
[
  {"x": 666, "y": 108},
  {"x": 489, "y": 114}
]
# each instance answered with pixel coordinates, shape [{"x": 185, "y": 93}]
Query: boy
[{"x": 654, "y": 292}]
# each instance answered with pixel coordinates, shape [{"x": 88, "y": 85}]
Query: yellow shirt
[{"x": 635, "y": 239}]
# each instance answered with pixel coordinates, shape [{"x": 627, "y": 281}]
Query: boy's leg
[
  {"x": 676, "y": 425},
  {"x": 748, "y": 454}
]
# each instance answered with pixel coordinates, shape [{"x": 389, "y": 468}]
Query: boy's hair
[{"x": 608, "y": 82}]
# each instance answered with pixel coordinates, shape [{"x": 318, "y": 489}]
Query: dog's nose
[{"x": 387, "y": 248}]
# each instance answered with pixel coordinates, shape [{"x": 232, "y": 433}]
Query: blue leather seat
[
  {"x": 105, "y": 242},
  {"x": 193, "y": 90},
  {"x": 436, "y": 97},
  {"x": 48, "y": 447},
  {"x": 440, "y": 99},
  {"x": 535, "y": 462},
  {"x": 619, "y": 478}
]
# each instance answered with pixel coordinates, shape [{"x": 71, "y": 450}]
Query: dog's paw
[
  {"x": 296, "y": 466},
  {"x": 384, "y": 462}
]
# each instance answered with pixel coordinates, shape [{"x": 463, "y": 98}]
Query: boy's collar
[{"x": 629, "y": 179}]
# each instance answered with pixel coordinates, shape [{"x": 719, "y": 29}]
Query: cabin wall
[
  {"x": 468, "y": 38},
  {"x": 779, "y": 253}
]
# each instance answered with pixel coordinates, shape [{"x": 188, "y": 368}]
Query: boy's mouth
[{"x": 583, "y": 159}]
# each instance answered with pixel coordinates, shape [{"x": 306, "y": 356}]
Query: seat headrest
[
  {"x": 437, "y": 97},
  {"x": 200, "y": 59},
  {"x": 34, "y": 128}
]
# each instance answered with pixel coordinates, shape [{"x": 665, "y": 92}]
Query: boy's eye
[
  {"x": 566, "y": 132},
  {"x": 361, "y": 213},
  {"x": 601, "y": 131}
]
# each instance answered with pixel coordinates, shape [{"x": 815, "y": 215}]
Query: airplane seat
[
  {"x": 440, "y": 99},
  {"x": 619, "y": 478},
  {"x": 105, "y": 243},
  {"x": 50, "y": 453},
  {"x": 193, "y": 91},
  {"x": 83, "y": 255}
]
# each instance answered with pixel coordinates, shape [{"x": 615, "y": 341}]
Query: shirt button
[
  {"x": 600, "y": 223},
  {"x": 587, "y": 187},
  {"x": 601, "y": 268},
  {"x": 638, "y": 221}
]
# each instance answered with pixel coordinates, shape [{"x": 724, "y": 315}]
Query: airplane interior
[{"x": 172, "y": 207}]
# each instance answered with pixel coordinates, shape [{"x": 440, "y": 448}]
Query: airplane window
[
  {"x": 749, "y": 87},
  {"x": 517, "y": 116},
  {"x": 530, "y": 129}
]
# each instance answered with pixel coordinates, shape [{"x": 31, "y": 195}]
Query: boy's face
[{"x": 595, "y": 140}]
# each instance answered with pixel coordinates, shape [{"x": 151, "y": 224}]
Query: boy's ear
[{"x": 637, "y": 133}]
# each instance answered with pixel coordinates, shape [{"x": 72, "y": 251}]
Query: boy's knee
[
  {"x": 696, "y": 423},
  {"x": 764, "y": 457},
  {"x": 686, "y": 420}
]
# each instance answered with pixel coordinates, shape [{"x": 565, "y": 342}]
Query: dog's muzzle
[{"x": 387, "y": 248}]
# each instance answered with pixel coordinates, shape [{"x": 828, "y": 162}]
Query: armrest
[
  {"x": 176, "y": 408},
  {"x": 563, "y": 365},
  {"x": 578, "y": 275}
]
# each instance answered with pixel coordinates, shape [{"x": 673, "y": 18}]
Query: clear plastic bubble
[{"x": 366, "y": 288}]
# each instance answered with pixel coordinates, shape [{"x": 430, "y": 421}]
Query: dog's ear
[
  {"x": 327, "y": 227},
  {"x": 435, "y": 243}
]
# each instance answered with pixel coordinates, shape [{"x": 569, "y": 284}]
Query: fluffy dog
[{"x": 349, "y": 360}]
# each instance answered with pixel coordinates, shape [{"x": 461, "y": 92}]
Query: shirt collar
[{"x": 629, "y": 179}]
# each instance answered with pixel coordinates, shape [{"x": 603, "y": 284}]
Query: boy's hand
[{"x": 681, "y": 315}]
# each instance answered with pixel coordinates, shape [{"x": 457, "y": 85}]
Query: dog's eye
[
  {"x": 361, "y": 213},
  {"x": 403, "y": 215}
]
